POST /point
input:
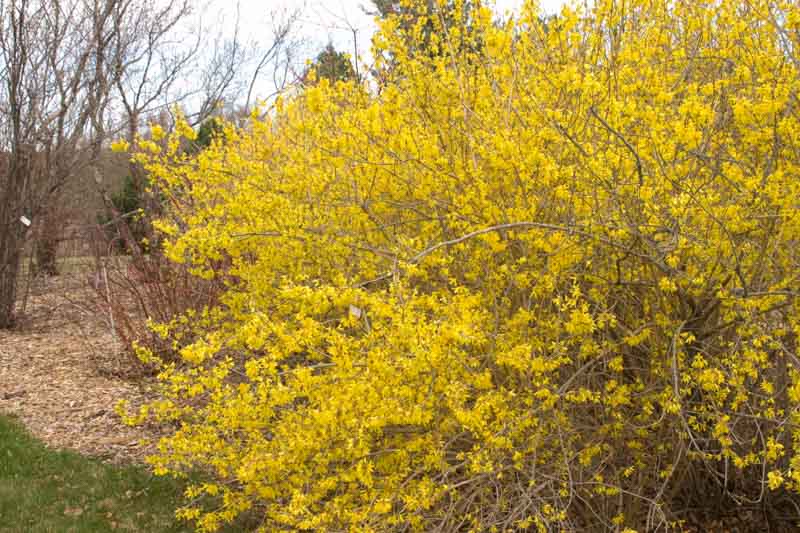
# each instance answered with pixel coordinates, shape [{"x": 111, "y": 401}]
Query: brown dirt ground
[{"x": 62, "y": 372}]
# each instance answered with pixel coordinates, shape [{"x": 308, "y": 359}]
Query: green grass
[{"x": 54, "y": 491}]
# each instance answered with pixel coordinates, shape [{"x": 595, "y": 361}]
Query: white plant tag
[{"x": 25, "y": 220}]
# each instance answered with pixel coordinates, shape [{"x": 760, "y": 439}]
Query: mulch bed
[{"x": 62, "y": 372}]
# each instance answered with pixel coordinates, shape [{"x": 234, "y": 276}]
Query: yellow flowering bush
[{"x": 545, "y": 278}]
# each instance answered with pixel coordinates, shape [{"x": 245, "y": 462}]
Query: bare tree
[
  {"x": 54, "y": 88},
  {"x": 279, "y": 53},
  {"x": 168, "y": 58},
  {"x": 74, "y": 73}
]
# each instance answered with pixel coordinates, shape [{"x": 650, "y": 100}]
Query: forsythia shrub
[{"x": 543, "y": 277}]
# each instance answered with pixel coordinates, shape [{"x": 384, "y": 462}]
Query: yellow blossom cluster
[{"x": 545, "y": 278}]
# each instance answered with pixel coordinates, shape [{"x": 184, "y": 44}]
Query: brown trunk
[
  {"x": 49, "y": 230},
  {"x": 12, "y": 234},
  {"x": 11, "y": 239},
  {"x": 46, "y": 247}
]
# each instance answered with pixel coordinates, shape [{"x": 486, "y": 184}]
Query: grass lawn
[{"x": 53, "y": 491}]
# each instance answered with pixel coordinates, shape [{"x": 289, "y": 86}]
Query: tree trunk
[
  {"x": 46, "y": 247},
  {"x": 11, "y": 239},
  {"x": 50, "y": 228},
  {"x": 12, "y": 232}
]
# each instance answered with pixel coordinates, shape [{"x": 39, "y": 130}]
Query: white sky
[
  {"x": 325, "y": 20},
  {"x": 322, "y": 21}
]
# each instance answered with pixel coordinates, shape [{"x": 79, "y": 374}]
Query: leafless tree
[
  {"x": 75, "y": 73},
  {"x": 54, "y": 90},
  {"x": 277, "y": 53},
  {"x": 168, "y": 57}
]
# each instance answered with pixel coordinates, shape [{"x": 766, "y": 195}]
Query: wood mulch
[{"x": 62, "y": 372}]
